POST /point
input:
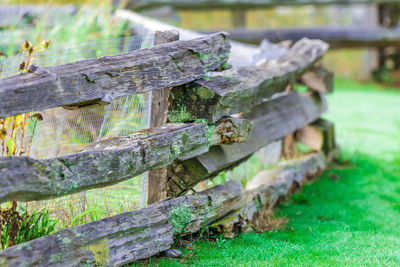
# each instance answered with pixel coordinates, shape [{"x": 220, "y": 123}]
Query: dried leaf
[{"x": 21, "y": 66}]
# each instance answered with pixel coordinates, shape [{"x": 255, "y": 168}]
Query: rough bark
[
  {"x": 271, "y": 121},
  {"x": 101, "y": 80},
  {"x": 127, "y": 237},
  {"x": 338, "y": 37},
  {"x": 111, "y": 161},
  {"x": 238, "y": 89},
  {"x": 157, "y": 179}
]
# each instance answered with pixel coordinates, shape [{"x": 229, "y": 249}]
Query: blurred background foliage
[{"x": 97, "y": 23}]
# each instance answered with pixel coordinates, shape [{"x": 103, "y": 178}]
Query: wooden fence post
[{"x": 157, "y": 179}]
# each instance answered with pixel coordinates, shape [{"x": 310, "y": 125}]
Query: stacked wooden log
[
  {"x": 337, "y": 37},
  {"x": 217, "y": 120}
]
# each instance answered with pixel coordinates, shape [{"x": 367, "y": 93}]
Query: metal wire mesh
[
  {"x": 67, "y": 131},
  {"x": 58, "y": 54}
]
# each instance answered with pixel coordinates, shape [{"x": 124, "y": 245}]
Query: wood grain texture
[
  {"x": 271, "y": 120},
  {"x": 127, "y": 237},
  {"x": 101, "y": 80},
  {"x": 100, "y": 164},
  {"x": 206, "y": 4},
  {"x": 336, "y": 37},
  {"x": 113, "y": 160},
  {"x": 267, "y": 187},
  {"x": 159, "y": 98},
  {"x": 238, "y": 89},
  {"x": 157, "y": 179}
]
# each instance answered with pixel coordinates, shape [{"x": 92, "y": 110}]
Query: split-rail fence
[{"x": 217, "y": 118}]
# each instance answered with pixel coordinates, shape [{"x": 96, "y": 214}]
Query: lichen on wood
[
  {"x": 271, "y": 121},
  {"x": 238, "y": 89},
  {"x": 113, "y": 160},
  {"x": 127, "y": 237},
  {"x": 89, "y": 82},
  {"x": 102, "y": 163}
]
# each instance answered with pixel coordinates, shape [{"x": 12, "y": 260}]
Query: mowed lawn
[{"x": 352, "y": 221}]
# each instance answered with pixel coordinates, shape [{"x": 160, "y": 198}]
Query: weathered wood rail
[
  {"x": 240, "y": 88},
  {"x": 131, "y": 236},
  {"x": 110, "y": 161},
  {"x": 126, "y": 237},
  {"x": 102, "y": 80},
  {"x": 337, "y": 37},
  {"x": 294, "y": 110},
  {"x": 217, "y": 119}
]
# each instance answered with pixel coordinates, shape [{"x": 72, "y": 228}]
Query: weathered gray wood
[
  {"x": 159, "y": 98},
  {"x": 230, "y": 130},
  {"x": 337, "y": 37},
  {"x": 157, "y": 179},
  {"x": 271, "y": 153},
  {"x": 113, "y": 160},
  {"x": 206, "y": 4},
  {"x": 318, "y": 79},
  {"x": 102, "y": 80},
  {"x": 238, "y": 89},
  {"x": 267, "y": 187},
  {"x": 127, "y": 237},
  {"x": 271, "y": 121}
]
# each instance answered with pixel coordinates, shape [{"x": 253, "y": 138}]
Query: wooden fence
[
  {"x": 207, "y": 4},
  {"x": 337, "y": 37},
  {"x": 218, "y": 117}
]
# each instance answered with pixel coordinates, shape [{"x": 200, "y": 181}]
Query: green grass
[{"x": 353, "y": 221}]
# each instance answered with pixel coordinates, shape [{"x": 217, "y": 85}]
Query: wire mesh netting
[{"x": 68, "y": 131}]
